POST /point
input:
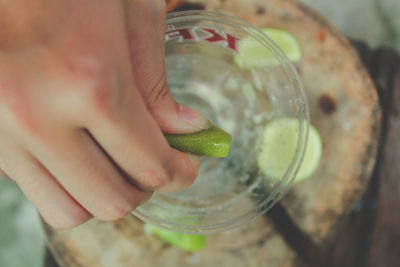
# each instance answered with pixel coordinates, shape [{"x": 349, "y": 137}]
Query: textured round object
[
  {"x": 253, "y": 54},
  {"x": 279, "y": 147}
]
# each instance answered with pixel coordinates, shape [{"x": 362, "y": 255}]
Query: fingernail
[{"x": 193, "y": 118}]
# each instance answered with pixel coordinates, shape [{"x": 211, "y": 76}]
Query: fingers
[
  {"x": 55, "y": 205},
  {"x": 86, "y": 173},
  {"x": 70, "y": 175},
  {"x": 135, "y": 142},
  {"x": 146, "y": 36},
  {"x": 146, "y": 40}
]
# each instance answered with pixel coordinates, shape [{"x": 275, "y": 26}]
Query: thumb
[
  {"x": 146, "y": 25},
  {"x": 171, "y": 116}
]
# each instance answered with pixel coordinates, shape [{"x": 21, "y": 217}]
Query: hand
[{"x": 83, "y": 105}]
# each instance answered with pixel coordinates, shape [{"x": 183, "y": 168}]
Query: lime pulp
[
  {"x": 279, "y": 146},
  {"x": 255, "y": 54}
]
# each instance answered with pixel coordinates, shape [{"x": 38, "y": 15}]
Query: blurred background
[{"x": 375, "y": 22}]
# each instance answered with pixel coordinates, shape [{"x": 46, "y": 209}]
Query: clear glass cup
[{"x": 202, "y": 51}]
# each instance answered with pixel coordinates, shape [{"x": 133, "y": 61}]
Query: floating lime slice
[
  {"x": 191, "y": 243},
  {"x": 253, "y": 54},
  {"x": 279, "y": 147},
  {"x": 212, "y": 142}
]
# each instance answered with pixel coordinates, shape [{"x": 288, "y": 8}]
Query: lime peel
[
  {"x": 187, "y": 242},
  {"x": 212, "y": 142}
]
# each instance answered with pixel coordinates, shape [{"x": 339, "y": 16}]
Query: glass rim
[{"x": 303, "y": 118}]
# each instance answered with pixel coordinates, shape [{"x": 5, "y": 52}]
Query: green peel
[
  {"x": 212, "y": 142},
  {"x": 187, "y": 242}
]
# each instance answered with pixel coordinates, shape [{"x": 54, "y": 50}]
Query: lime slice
[
  {"x": 191, "y": 243},
  {"x": 279, "y": 147},
  {"x": 212, "y": 142},
  {"x": 253, "y": 54}
]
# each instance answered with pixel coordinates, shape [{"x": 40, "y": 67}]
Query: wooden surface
[
  {"x": 384, "y": 197},
  {"x": 343, "y": 107},
  {"x": 319, "y": 223},
  {"x": 369, "y": 235},
  {"x": 123, "y": 243}
]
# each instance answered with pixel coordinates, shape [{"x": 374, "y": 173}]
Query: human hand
[{"x": 83, "y": 105}]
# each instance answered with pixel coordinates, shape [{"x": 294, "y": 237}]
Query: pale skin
[{"x": 84, "y": 105}]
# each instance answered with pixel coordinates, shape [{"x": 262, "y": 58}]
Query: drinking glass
[{"x": 205, "y": 71}]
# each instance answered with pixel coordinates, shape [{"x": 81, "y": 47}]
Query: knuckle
[
  {"x": 116, "y": 211},
  {"x": 81, "y": 64},
  {"x": 91, "y": 78},
  {"x": 153, "y": 179},
  {"x": 97, "y": 100},
  {"x": 185, "y": 176},
  {"x": 58, "y": 225},
  {"x": 98, "y": 97},
  {"x": 66, "y": 221},
  {"x": 157, "y": 93}
]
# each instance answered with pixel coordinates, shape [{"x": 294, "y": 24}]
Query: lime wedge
[
  {"x": 191, "y": 243},
  {"x": 212, "y": 142},
  {"x": 279, "y": 147},
  {"x": 253, "y": 54}
]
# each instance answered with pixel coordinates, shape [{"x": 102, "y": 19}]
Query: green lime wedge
[
  {"x": 191, "y": 243},
  {"x": 253, "y": 54},
  {"x": 279, "y": 147},
  {"x": 212, "y": 142}
]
